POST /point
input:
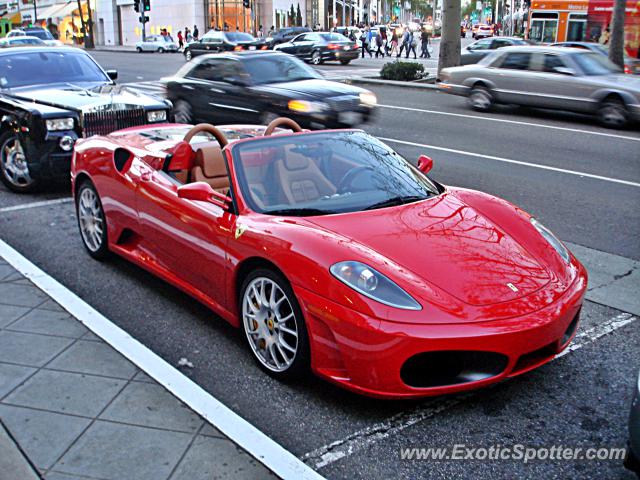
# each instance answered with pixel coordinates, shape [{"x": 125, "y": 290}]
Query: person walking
[
  {"x": 187, "y": 35},
  {"x": 180, "y": 40},
  {"x": 394, "y": 43},
  {"x": 195, "y": 32},
  {"x": 379, "y": 44},
  {"x": 365, "y": 40},
  {"x": 412, "y": 43},
  {"x": 424, "y": 37},
  {"x": 404, "y": 45}
]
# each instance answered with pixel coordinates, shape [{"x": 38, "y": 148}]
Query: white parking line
[
  {"x": 357, "y": 441},
  {"x": 515, "y": 162},
  {"x": 44, "y": 203},
  {"x": 279, "y": 460},
  {"x": 516, "y": 122}
]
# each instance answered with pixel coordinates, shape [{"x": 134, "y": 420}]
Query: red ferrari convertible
[{"x": 333, "y": 253}]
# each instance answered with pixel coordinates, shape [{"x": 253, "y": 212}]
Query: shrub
[{"x": 403, "y": 71}]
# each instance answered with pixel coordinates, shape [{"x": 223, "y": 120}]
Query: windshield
[
  {"x": 324, "y": 173},
  {"x": 277, "y": 69},
  {"x": 41, "y": 34},
  {"x": 334, "y": 37},
  {"x": 19, "y": 69},
  {"x": 595, "y": 64},
  {"x": 239, "y": 37}
]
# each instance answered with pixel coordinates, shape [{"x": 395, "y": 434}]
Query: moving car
[
  {"x": 284, "y": 35},
  {"x": 50, "y": 97},
  {"x": 157, "y": 43},
  {"x": 320, "y": 47},
  {"x": 255, "y": 87},
  {"x": 548, "y": 77},
  {"x": 476, "y": 51},
  {"x": 332, "y": 252},
  {"x": 631, "y": 66},
  {"x": 19, "y": 41},
  {"x": 215, "y": 42},
  {"x": 632, "y": 461},
  {"x": 482, "y": 31},
  {"x": 39, "y": 32}
]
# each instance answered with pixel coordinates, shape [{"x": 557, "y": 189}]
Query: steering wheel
[
  {"x": 206, "y": 127},
  {"x": 281, "y": 122},
  {"x": 350, "y": 176}
]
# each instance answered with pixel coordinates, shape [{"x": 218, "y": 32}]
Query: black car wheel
[
  {"x": 160, "y": 50},
  {"x": 344, "y": 61},
  {"x": 139, "y": 49},
  {"x": 14, "y": 165},
  {"x": 316, "y": 57},
  {"x": 480, "y": 98},
  {"x": 613, "y": 114},
  {"x": 182, "y": 112},
  {"x": 91, "y": 220},
  {"x": 187, "y": 55}
]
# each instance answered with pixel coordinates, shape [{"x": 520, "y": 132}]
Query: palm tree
[
  {"x": 616, "y": 40},
  {"x": 450, "y": 41}
]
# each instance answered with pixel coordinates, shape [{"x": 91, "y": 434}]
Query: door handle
[
  {"x": 187, "y": 87},
  {"x": 146, "y": 176}
]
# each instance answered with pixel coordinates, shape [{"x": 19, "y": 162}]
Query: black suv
[{"x": 285, "y": 35}]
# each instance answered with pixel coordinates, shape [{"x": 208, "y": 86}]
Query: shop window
[
  {"x": 576, "y": 27},
  {"x": 544, "y": 27}
]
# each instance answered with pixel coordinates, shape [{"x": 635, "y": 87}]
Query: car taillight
[
  {"x": 355, "y": 47},
  {"x": 264, "y": 47},
  {"x": 627, "y": 69},
  {"x": 237, "y": 48},
  {"x": 333, "y": 46}
]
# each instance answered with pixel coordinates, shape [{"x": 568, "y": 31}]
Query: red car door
[{"x": 189, "y": 238}]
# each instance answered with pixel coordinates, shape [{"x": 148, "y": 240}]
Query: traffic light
[
  {"x": 246, "y": 3},
  {"x": 143, "y": 19},
  {"x": 147, "y": 5},
  {"x": 136, "y": 6}
]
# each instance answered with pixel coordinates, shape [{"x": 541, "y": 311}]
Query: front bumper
[
  {"x": 366, "y": 355},
  {"x": 47, "y": 161},
  {"x": 334, "y": 118},
  {"x": 454, "y": 89}
]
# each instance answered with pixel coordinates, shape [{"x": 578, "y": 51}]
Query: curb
[{"x": 394, "y": 83}]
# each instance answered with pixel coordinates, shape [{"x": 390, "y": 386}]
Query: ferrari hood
[{"x": 449, "y": 244}]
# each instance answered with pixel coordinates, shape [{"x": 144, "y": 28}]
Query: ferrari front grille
[{"x": 105, "y": 122}]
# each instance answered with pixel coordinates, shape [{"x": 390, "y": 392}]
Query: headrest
[
  {"x": 210, "y": 158},
  {"x": 295, "y": 161}
]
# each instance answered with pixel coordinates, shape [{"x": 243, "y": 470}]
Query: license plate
[
  {"x": 350, "y": 118},
  {"x": 346, "y": 47},
  {"x": 252, "y": 47}
]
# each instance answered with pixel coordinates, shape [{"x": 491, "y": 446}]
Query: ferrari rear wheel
[
  {"x": 91, "y": 221},
  {"x": 14, "y": 166},
  {"x": 273, "y": 324}
]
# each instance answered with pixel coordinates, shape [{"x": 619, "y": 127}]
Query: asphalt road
[{"x": 579, "y": 400}]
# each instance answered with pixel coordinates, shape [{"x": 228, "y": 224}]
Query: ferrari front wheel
[
  {"x": 273, "y": 324},
  {"x": 91, "y": 221}
]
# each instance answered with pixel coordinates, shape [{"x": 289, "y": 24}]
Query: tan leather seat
[
  {"x": 301, "y": 179},
  {"x": 210, "y": 167}
]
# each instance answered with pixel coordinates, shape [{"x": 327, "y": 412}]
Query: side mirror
[
  {"x": 564, "y": 71},
  {"x": 202, "y": 192},
  {"x": 112, "y": 74},
  {"x": 425, "y": 164}
]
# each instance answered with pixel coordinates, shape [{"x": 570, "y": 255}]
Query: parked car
[
  {"x": 253, "y": 87},
  {"x": 320, "y": 47},
  {"x": 157, "y": 43},
  {"x": 482, "y": 31},
  {"x": 20, "y": 41},
  {"x": 50, "y": 97},
  {"x": 330, "y": 246},
  {"x": 215, "y": 42},
  {"x": 548, "y": 77},
  {"x": 632, "y": 461},
  {"x": 476, "y": 51},
  {"x": 284, "y": 35},
  {"x": 631, "y": 66},
  {"x": 39, "y": 32}
]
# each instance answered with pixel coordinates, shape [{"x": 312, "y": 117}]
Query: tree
[
  {"x": 87, "y": 25},
  {"x": 616, "y": 40},
  {"x": 450, "y": 41},
  {"x": 299, "y": 17},
  {"x": 292, "y": 16}
]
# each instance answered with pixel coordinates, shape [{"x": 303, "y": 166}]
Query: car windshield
[
  {"x": 239, "y": 37},
  {"x": 277, "y": 69},
  {"x": 19, "y": 69},
  {"x": 325, "y": 173},
  {"x": 592, "y": 63},
  {"x": 334, "y": 37},
  {"x": 41, "y": 34}
]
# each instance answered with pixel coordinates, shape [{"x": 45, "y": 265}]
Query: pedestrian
[
  {"x": 379, "y": 43},
  {"x": 424, "y": 37},
  {"x": 352, "y": 35},
  {"x": 394, "y": 43},
  {"x": 404, "y": 46},
  {"x": 412, "y": 43},
  {"x": 271, "y": 31},
  {"x": 180, "y": 40},
  {"x": 187, "y": 35},
  {"x": 195, "y": 32},
  {"x": 365, "y": 38},
  {"x": 260, "y": 32}
]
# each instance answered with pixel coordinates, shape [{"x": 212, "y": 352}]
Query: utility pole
[
  {"x": 450, "y": 40},
  {"x": 616, "y": 38}
]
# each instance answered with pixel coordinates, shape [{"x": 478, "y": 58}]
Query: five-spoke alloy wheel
[{"x": 91, "y": 220}]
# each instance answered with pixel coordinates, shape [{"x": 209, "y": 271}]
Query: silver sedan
[
  {"x": 157, "y": 43},
  {"x": 548, "y": 77}
]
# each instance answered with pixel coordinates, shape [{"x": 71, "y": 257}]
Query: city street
[{"x": 580, "y": 180}]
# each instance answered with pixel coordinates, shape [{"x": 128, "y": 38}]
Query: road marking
[
  {"x": 276, "y": 458},
  {"x": 44, "y": 203},
  {"x": 515, "y": 162},
  {"x": 516, "y": 122},
  {"x": 357, "y": 441}
]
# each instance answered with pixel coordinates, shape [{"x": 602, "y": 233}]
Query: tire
[
  {"x": 345, "y": 62},
  {"x": 188, "y": 55},
  {"x": 160, "y": 50},
  {"x": 480, "y": 98},
  {"x": 613, "y": 113},
  {"x": 631, "y": 462},
  {"x": 182, "y": 112},
  {"x": 316, "y": 57},
  {"x": 138, "y": 49},
  {"x": 14, "y": 165},
  {"x": 92, "y": 222},
  {"x": 269, "y": 329}
]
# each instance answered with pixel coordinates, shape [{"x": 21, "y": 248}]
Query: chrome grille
[
  {"x": 345, "y": 103},
  {"x": 105, "y": 122}
]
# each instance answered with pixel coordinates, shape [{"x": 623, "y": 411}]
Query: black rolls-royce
[
  {"x": 50, "y": 97},
  {"x": 255, "y": 87}
]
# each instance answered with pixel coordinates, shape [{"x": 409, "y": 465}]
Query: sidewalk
[{"x": 80, "y": 410}]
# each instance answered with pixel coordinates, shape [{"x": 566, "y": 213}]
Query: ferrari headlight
[
  {"x": 304, "y": 106},
  {"x": 371, "y": 283},
  {"x": 368, "y": 98},
  {"x": 57, "y": 124},
  {"x": 157, "y": 116},
  {"x": 552, "y": 239}
]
